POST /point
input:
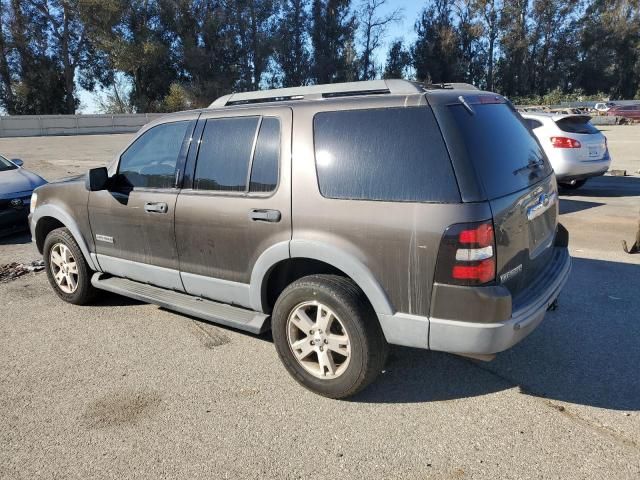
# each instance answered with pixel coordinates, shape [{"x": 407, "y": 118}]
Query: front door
[
  {"x": 236, "y": 202},
  {"x": 133, "y": 221}
]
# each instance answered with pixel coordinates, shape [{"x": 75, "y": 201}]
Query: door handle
[
  {"x": 156, "y": 207},
  {"x": 258, "y": 215}
]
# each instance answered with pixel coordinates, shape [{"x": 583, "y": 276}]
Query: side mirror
[
  {"x": 17, "y": 161},
  {"x": 97, "y": 179}
]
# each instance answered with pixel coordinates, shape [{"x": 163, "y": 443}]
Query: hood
[{"x": 18, "y": 180}]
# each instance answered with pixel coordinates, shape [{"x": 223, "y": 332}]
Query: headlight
[{"x": 34, "y": 199}]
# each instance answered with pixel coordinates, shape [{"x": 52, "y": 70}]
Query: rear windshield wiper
[{"x": 533, "y": 164}]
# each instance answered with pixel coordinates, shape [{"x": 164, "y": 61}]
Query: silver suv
[{"x": 344, "y": 217}]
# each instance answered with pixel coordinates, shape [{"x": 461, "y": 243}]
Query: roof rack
[
  {"x": 450, "y": 86},
  {"x": 312, "y": 92}
]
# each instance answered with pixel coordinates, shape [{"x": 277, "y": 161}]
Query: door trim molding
[
  {"x": 141, "y": 272},
  {"x": 216, "y": 289}
]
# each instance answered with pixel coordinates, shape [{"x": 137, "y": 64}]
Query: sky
[{"x": 403, "y": 30}]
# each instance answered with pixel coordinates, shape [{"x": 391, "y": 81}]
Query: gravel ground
[{"x": 126, "y": 390}]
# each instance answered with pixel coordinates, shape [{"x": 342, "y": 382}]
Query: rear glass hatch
[{"x": 497, "y": 159}]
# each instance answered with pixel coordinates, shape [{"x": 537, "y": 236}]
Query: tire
[
  {"x": 82, "y": 292},
  {"x": 349, "y": 315},
  {"x": 574, "y": 186}
]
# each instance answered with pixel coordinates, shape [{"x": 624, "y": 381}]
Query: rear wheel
[
  {"x": 573, "y": 185},
  {"x": 67, "y": 270},
  {"x": 328, "y": 336}
]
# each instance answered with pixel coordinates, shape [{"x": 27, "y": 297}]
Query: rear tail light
[
  {"x": 467, "y": 254},
  {"x": 565, "y": 142}
]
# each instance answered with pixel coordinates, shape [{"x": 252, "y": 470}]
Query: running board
[{"x": 220, "y": 313}]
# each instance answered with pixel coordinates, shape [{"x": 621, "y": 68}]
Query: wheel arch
[
  {"x": 300, "y": 258},
  {"x": 49, "y": 217}
]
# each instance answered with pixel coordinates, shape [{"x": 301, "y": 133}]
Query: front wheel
[
  {"x": 67, "y": 270},
  {"x": 328, "y": 336}
]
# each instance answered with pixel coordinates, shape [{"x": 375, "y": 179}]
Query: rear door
[
  {"x": 236, "y": 200},
  {"x": 518, "y": 182}
]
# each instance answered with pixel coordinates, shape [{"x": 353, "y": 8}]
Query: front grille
[{"x": 5, "y": 203}]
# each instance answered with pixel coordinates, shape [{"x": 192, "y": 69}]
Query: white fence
[{"x": 43, "y": 125}]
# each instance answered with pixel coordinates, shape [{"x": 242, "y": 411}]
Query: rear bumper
[
  {"x": 572, "y": 169},
  {"x": 478, "y": 337},
  {"x": 487, "y": 338}
]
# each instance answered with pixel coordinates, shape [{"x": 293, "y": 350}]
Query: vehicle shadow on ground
[
  {"x": 571, "y": 206},
  {"x": 587, "y": 352},
  {"x": 606, "y": 187}
]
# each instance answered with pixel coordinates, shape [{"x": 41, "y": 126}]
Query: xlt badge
[
  {"x": 104, "y": 238},
  {"x": 510, "y": 274}
]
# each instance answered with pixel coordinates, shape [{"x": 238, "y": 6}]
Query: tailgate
[
  {"x": 525, "y": 223},
  {"x": 513, "y": 175}
]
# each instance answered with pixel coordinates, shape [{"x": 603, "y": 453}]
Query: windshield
[
  {"x": 503, "y": 150},
  {"x": 6, "y": 165}
]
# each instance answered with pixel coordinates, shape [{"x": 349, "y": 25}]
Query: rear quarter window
[{"x": 391, "y": 154}]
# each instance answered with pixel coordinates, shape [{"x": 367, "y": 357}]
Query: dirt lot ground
[{"x": 126, "y": 390}]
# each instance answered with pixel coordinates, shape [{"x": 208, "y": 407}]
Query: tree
[
  {"x": 398, "y": 61},
  {"x": 332, "y": 37},
  {"x": 490, "y": 15},
  {"x": 373, "y": 27},
  {"x": 292, "y": 53},
  {"x": 610, "y": 48},
  {"x": 436, "y": 52},
  {"x": 34, "y": 83},
  {"x": 469, "y": 28},
  {"x": 254, "y": 26},
  {"x": 512, "y": 65},
  {"x": 134, "y": 38},
  {"x": 69, "y": 43}
]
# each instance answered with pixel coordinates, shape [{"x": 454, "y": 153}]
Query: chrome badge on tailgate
[{"x": 545, "y": 201}]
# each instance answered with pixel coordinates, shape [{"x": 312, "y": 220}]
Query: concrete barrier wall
[{"x": 43, "y": 125}]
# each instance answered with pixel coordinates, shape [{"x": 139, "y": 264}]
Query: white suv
[{"x": 576, "y": 149}]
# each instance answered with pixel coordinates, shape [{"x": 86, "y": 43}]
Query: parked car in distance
[
  {"x": 603, "y": 107},
  {"x": 576, "y": 149},
  {"x": 344, "y": 217},
  {"x": 16, "y": 187},
  {"x": 631, "y": 112}
]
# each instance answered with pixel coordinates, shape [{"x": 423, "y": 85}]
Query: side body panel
[
  {"x": 66, "y": 201},
  {"x": 396, "y": 242}
]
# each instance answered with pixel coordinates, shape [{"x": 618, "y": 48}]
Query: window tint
[
  {"x": 394, "y": 154},
  {"x": 223, "y": 161},
  {"x": 151, "y": 160},
  {"x": 264, "y": 170},
  {"x": 533, "y": 124},
  {"x": 503, "y": 151},
  {"x": 577, "y": 125}
]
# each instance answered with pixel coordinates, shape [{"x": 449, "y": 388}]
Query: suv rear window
[
  {"x": 504, "y": 152},
  {"x": 576, "y": 125},
  {"x": 391, "y": 154}
]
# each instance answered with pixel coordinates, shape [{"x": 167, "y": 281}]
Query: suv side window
[
  {"x": 390, "y": 154},
  {"x": 225, "y": 155},
  {"x": 264, "y": 169},
  {"x": 151, "y": 160}
]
